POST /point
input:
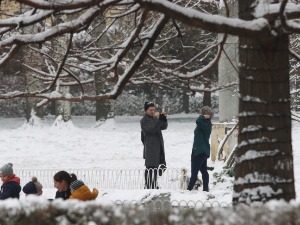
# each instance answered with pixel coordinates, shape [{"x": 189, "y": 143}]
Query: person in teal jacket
[{"x": 201, "y": 148}]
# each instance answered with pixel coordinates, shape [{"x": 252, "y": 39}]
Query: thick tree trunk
[
  {"x": 32, "y": 84},
  {"x": 103, "y": 107},
  {"x": 264, "y": 159},
  {"x": 207, "y": 98}
]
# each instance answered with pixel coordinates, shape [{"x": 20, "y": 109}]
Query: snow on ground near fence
[{"x": 115, "y": 144}]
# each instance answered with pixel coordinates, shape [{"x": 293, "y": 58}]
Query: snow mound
[
  {"x": 34, "y": 122},
  {"x": 109, "y": 124},
  {"x": 59, "y": 123}
]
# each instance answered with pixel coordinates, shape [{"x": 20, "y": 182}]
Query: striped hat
[{"x": 76, "y": 184}]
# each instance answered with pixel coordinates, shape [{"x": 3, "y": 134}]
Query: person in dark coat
[
  {"x": 10, "y": 183},
  {"x": 201, "y": 148},
  {"x": 152, "y": 124},
  {"x": 33, "y": 187},
  {"x": 62, "y": 181}
]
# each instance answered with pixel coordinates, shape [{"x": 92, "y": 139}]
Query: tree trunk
[
  {"x": 227, "y": 73},
  {"x": 33, "y": 84},
  {"x": 264, "y": 159},
  {"x": 297, "y": 95},
  {"x": 185, "y": 103},
  {"x": 63, "y": 108},
  {"x": 103, "y": 107},
  {"x": 207, "y": 98}
]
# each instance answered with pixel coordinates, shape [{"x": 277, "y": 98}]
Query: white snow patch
[
  {"x": 260, "y": 178},
  {"x": 253, "y": 154}
]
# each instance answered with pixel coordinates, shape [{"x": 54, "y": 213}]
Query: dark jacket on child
[
  {"x": 64, "y": 194},
  {"x": 10, "y": 188}
]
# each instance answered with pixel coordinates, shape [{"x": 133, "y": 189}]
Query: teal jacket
[{"x": 201, "y": 136}]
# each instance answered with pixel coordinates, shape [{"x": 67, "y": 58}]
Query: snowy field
[{"x": 116, "y": 144}]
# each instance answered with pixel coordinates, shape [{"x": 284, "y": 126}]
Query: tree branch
[
  {"x": 61, "y": 65},
  {"x": 214, "y": 23},
  {"x": 63, "y": 28},
  {"x": 10, "y": 54},
  {"x": 65, "y": 5},
  {"x": 204, "y": 70}
]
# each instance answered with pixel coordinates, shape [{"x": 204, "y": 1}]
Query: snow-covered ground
[{"x": 115, "y": 144}]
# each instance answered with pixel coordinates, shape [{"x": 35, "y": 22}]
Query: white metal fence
[
  {"x": 105, "y": 178},
  {"x": 165, "y": 205}
]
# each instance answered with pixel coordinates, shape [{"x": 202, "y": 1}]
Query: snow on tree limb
[
  {"x": 90, "y": 10},
  {"x": 63, "y": 28},
  {"x": 122, "y": 80},
  {"x": 214, "y": 23},
  {"x": 204, "y": 70},
  {"x": 25, "y": 19},
  {"x": 65, "y": 4},
  {"x": 60, "y": 66}
]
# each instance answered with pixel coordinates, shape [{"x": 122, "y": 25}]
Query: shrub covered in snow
[
  {"x": 129, "y": 103},
  {"x": 222, "y": 176},
  {"x": 39, "y": 211},
  {"x": 12, "y": 107}
]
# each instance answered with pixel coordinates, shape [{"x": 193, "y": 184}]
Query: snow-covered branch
[
  {"x": 65, "y": 4},
  {"x": 214, "y": 23},
  {"x": 25, "y": 19},
  {"x": 203, "y": 70},
  {"x": 216, "y": 88},
  {"x": 63, "y": 28}
]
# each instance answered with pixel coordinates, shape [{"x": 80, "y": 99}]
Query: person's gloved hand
[{"x": 162, "y": 117}]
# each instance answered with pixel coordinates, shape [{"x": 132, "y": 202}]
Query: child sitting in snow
[
  {"x": 81, "y": 192},
  {"x": 33, "y": 187},
  {"x": 11, "y": 184}
]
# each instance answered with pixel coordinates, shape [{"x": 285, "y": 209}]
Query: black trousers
[
  {"x": 199, "y": 163},
  {"x": 152, "y": 172},
  {"x": 151, "y": 177}
]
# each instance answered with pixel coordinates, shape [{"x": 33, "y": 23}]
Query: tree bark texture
[
  {"x": 63, "y": 108},
  {"x": 264, "y": 163},
  {"x": 185, "y": 102},
  {"x": 207, "y": 98},
  {"x": 32, "y": 83},
  {"x": 103, "y": 107}
]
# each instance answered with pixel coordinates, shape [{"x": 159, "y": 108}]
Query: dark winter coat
[
  {"x": 64, "y": 194},
  {"x": 10, "y": 188},
  {"x": 154, "y": 153},
  {"x": 201, "y": 136}
]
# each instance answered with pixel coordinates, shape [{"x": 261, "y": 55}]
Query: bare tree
[{"x": 264, "y": 157}]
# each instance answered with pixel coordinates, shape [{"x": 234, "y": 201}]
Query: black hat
[
  {"x": 30, "y": 188},
  {"x": 148, "y": 104},
  {"x": 76, "y": 184}
]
